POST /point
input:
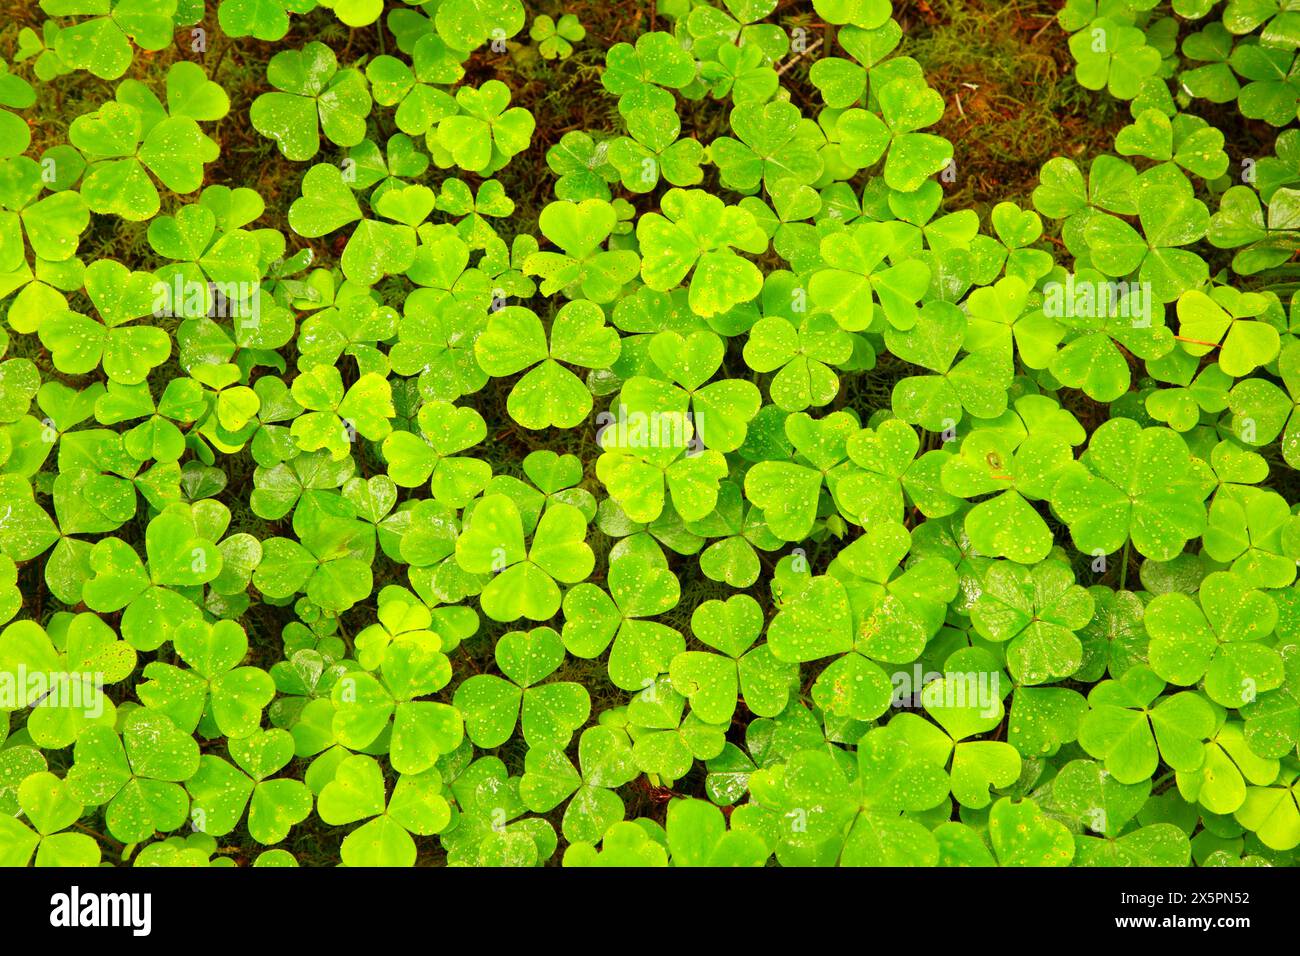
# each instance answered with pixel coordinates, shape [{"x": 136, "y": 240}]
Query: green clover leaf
[
  {"x": 547, "y": 713},
  {"x": 312, "y": 94},
  {"x": 356, "y": 792},
  {"x": 1137, "y": 484},
  {"x": 524, "y": 582}
]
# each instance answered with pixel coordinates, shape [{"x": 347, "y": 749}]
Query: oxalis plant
[{"x": 685, "y": 480}]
